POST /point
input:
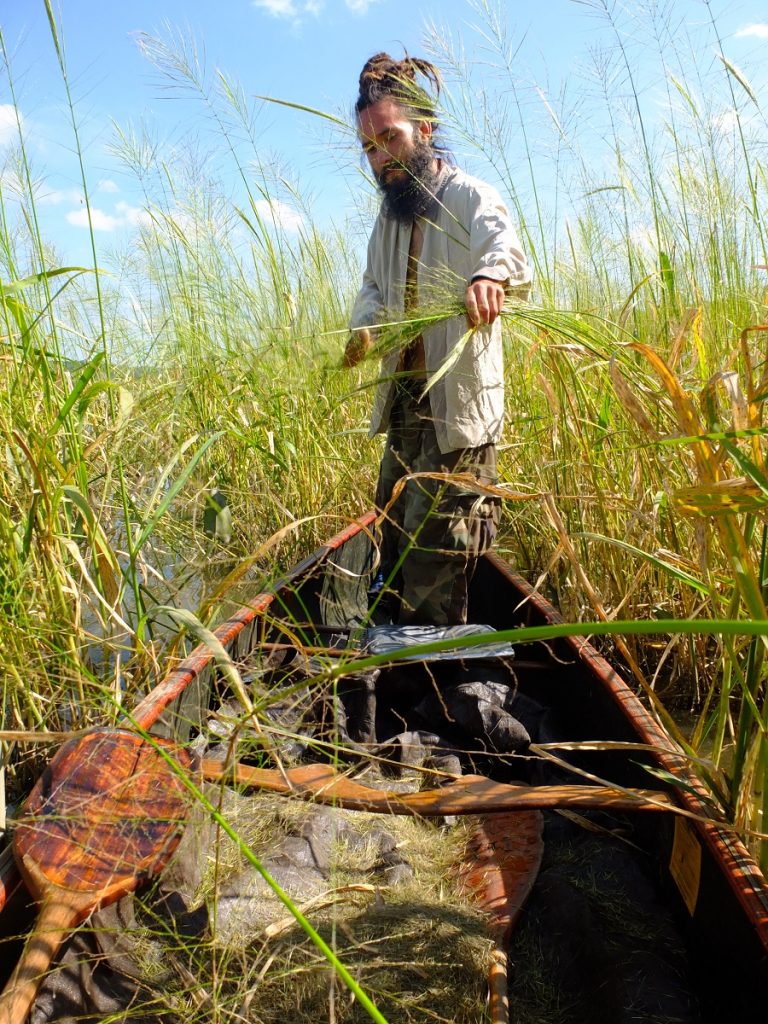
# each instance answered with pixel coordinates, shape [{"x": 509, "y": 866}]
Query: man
[{"x": 440, "y": 236}]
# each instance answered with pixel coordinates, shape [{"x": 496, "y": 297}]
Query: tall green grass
[{"x": 207, "y": 359}]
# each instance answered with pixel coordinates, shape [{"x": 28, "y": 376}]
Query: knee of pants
[{"x": 464, "y": 525}]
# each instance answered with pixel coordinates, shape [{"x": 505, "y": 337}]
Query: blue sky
[{"x": 304, "y": 51}]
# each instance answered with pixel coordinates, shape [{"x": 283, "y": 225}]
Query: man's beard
[{"x": 411, "y": 195}]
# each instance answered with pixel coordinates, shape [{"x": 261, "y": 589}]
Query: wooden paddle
[
  {"x": 499, "y": 868},
  {"x": 467, "y": 794},
  {"x": 105, "y": 815}
]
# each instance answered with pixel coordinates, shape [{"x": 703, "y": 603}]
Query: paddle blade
[
  {"x": 500, "y": 865},
  {"x": 105, "y": 814}
]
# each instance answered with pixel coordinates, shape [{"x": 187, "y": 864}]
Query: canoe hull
[{"x": 704, "y": 873}]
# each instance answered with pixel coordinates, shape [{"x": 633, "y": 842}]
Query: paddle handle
[
  {"x": 58, "y": 914},
  {"x": 498, "y": 994}
]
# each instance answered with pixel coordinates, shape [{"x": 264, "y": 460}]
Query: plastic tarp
[{"x": 388, "y": 639}]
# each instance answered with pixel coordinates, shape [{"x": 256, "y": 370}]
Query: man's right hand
[
  {"x": 357, "y": 347},
  {"x": 484, "y": 300}
]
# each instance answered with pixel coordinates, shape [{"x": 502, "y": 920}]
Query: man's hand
[
  {"x": 484, "y": 300},
  {"x": 357, "y": 347}
]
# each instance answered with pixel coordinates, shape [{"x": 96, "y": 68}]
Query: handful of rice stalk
[{"x": 590, "y": 333}]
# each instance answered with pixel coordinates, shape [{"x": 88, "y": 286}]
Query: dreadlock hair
[{"x": 384, "y": 78}]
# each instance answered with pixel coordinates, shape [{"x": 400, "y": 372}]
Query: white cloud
[
  {"x": 8, "y": 126},
  {"x": 54, "y": 196},
  {"x": 757, "y": 30},
  {"x": 278, "y": 8},
  {"x": 101, "y": 221},
  {"x": 293, "y": 10},
  {"x": 726, "y": 121},
  {"x": 184, "y": 220},
  {"x": 125, "y": 216},
  {"x": 644, "y": 238},
  {"x": 107, "y": 185},
  {"x": 280, "y": 214},
  {"x": 133, "y": 215},
  {"x": 359, "y": 6}
]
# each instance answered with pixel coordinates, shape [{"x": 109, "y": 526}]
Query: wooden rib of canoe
[{"x": 715, "y": 890}]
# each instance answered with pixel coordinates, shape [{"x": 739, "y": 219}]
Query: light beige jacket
[{"x": 468, "y": 234}]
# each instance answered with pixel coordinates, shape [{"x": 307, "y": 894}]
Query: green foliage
[{"x": 636, "y": 382}]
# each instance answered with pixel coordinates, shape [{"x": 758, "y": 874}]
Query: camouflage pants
[{"x": 434, "y": 531}]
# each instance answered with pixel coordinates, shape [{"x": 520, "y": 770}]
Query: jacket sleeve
[
  {"x": 495, "y": 248},
  {"x": 369, "y": 303}
]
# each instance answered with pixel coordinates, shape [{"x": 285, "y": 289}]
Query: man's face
[
  {"x": 401, "y": 157},
  {"x": 388, "y": 139}
]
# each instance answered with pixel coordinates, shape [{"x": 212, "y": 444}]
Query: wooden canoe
[{"x": 702, "y": 873}]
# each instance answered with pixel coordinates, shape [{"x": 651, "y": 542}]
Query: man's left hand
[
  {"x": 484, "y": 300},
  {"x": 357, "y": 348}
]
